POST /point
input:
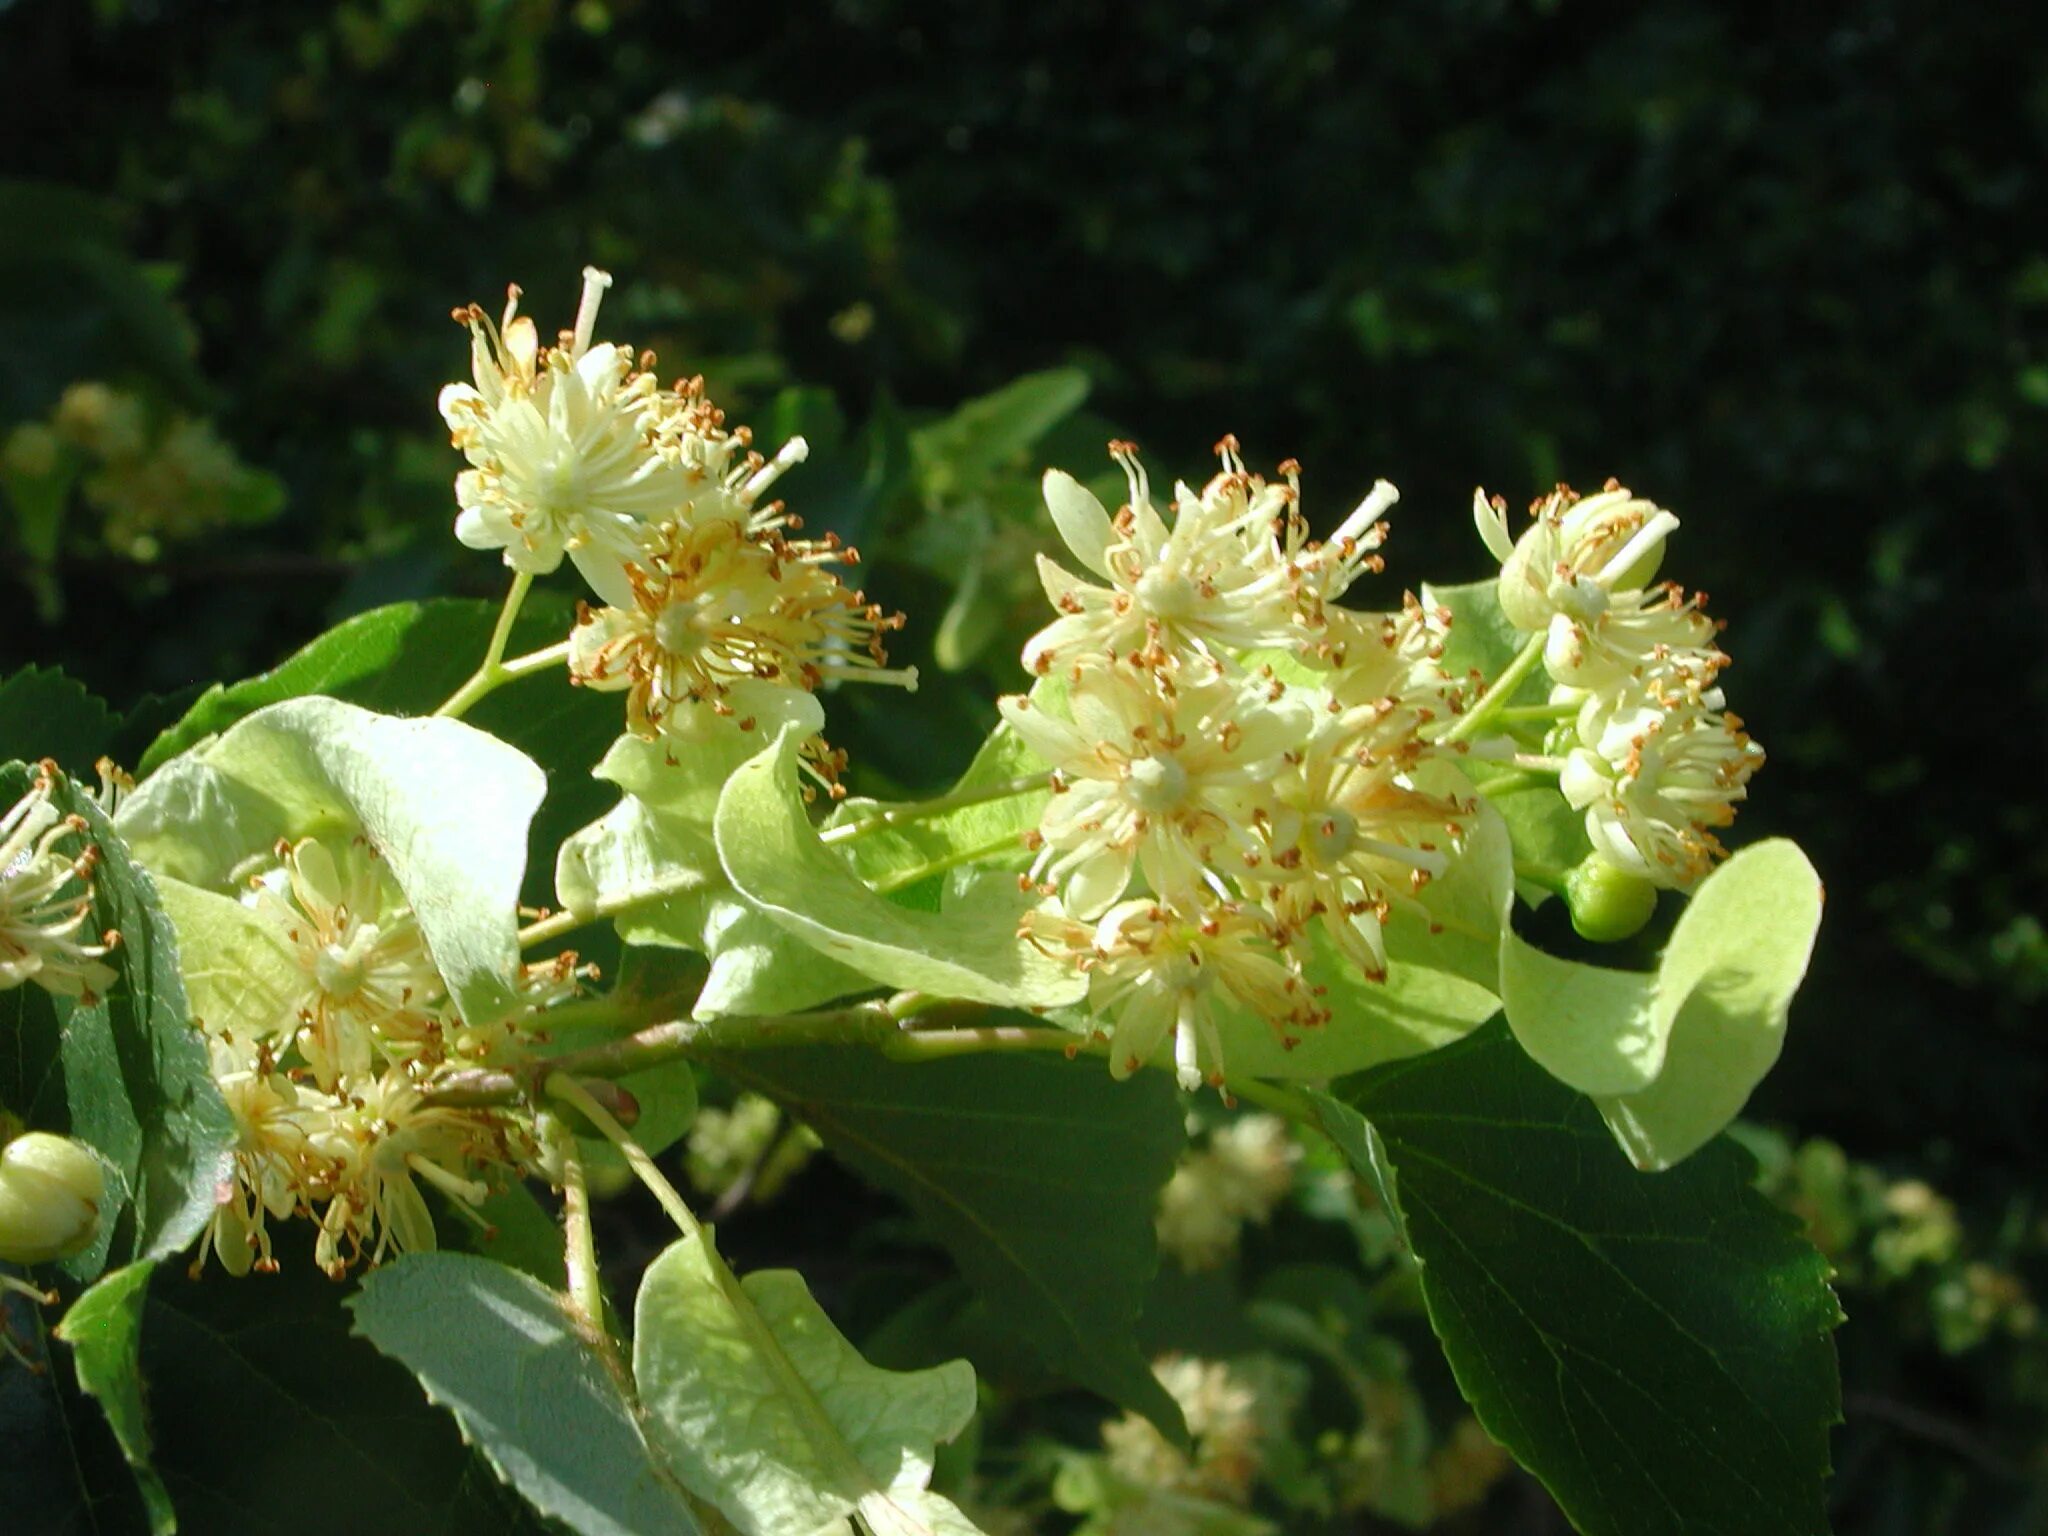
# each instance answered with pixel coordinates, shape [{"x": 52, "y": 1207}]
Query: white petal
[{"x": 1081, "y": 520}]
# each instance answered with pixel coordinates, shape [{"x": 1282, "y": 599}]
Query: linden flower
[
  {"x": 1246, "y": 1170},
  {"x": 1226, "y": 1421},
  {"x": 571, "y": 448},
  {"x": 1658, "y": 776},
  {"x": 1348, "y": 833},
  {"x": 712, "y": 605},
  {"x": 46, "y": 898},
  {"x": 371, "y": 989},
  {"x": 1220, "y": 579},
  {"x": 273, "y": 1158},
  {"x": 377, "y": 1143},
  {"x": 1581, "y": 575},
  {"x": 1150, "y": 772},
  {"x": 1161, "y": 972}
]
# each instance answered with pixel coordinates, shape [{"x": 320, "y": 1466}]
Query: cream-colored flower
[
  {"x": 1246, "y": 1169},
  {"x": 370, "y": 992},
  {"x": 1655, "y": 776},
  {"x": 1152, "y": 772},
  {"x": 712, "y": 605},
  {"x": 382, "y": 1139},
  {"x": 274, "y": 1163},
  {"x": 1582, "y": 576},
  {"x": 1228, "y": 1421},
  {"x": 573, "y": 449},
  {"x": 1347, "y": 832},
  {"x": 1218, "y": 579},
  {"x": 1161, "y": 972},
  {"x": 46, "y": 899}
]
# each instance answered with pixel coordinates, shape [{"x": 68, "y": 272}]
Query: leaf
[
  {"x": 127, "y": 1074},
  {"x": 768, "y": 1413},
  {"x": 317, "y": 766},
  {"x": 104, "y": 1329},
  {"x": 773, "y": 858},
  {"x": 499, "y": 1351},
  {"x": 1653, "y": 1347},
  {"x": 993, "y": 432},
  {"x": 1038, "y": 1176},
  {"x": 268, "y": 1420},
  {"x": 43, "y": 714},
  {"x": 1673, "y": 1057}
]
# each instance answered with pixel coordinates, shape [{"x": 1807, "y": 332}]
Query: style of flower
[
  {"x": 46, "y": 899},
  {"x": 713, "y": 604},
  {"x": 1655, "y": 777},
  {"x": 1150, "y": 771},
  {"x": 1582, "y": 576},
  {"x": 1160, "y": 972},
  {"x": 1347, "y": 833},
  {"x": 573, "y": 448}
]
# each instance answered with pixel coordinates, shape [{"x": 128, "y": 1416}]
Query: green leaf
[
  {"x": 127, "y": 1073},
  {"x": 768, "y": 1413},
  {"x": 43, "y": 714},
  {"x": 404, "y": 660},
  {"x": 1039, "y": 1176},
  {"x": 446, "y": 805},
  {"x": 994, "y": 432},
  {"x": 1672, "y": 1057},
  {"x": 773, "y": 858},
  {"x": 268, "y": 1420},
  {"x": 104, "y": 1329},
  {"x": 1653, "y": 1347},
  {"x": 500, "y": 1352}
]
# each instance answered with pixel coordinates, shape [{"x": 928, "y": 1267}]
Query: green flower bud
[
  {"x": 51, "y": 1189},
  {"x": 1608, "y": 903}
]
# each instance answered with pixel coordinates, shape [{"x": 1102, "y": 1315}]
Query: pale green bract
[
  {"x": 446, "y": 806},
  {"x": 651, "y": 860},
  {"x": 235, "y": 967},
  {"x": 1672, "y": 1057},
  {"x": 768, "y": 1413},
  {"x": 970, "y": 951}
]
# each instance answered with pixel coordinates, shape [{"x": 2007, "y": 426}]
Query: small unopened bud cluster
[
  {"x": 1650, "y": 753},
  {"x": 332, "y": 1094},
  {"x": 1227, "y": 740},
  {"x": 46, "y": 898},
  {"x": 576, "y": 450}
]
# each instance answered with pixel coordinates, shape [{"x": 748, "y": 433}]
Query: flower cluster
[
  {"x": 576, "y": 450},
  {"x": 1239, "y": 1178},
  {"x": 1226, "y": 738},
  {"x": 46, "y": 898},
  {"x": 1650, "y": 753},
  {"x": 332, "y": 1093}
]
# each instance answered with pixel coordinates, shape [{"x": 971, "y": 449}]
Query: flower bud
[
  {"x": 51, "y": 1189},
  {"x": 1608, "y": 903}
]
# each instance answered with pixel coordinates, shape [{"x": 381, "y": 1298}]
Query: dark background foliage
[{"x": 1782, "y": 267}]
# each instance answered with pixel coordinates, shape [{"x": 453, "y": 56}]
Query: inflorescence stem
[
  {"x": 495, "y": 671},
  {"x": 1496, "y": 697},
  {"x": 924, "y": 810}
]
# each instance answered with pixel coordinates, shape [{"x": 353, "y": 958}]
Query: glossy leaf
[
  {"x": 1654, "y": 1347},
  {"x": 1033, "y": 1172}
]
